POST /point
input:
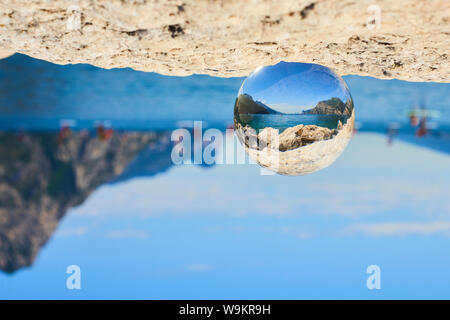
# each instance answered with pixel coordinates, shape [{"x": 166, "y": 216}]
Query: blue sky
[
  {"x": 294, "y": 87},
  {"x": 232, "y": 233}
]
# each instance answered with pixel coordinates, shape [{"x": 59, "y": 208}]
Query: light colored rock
[
  {"x": 268, "y": 138},
  {"x": 301, "y": 135},
  {"x": 290, "y": 139},
  {"x": 408, "y": 39},
  {"x": 5, "y": 54},
  {"x": 305, "y": 159},
  {"x": 247, "y": 135}
]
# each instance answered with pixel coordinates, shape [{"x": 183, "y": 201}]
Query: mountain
[
  {"x": 246, "y": 105},
  {"x": 332, "y": 106},
  {"x": 43, "y": 175}
]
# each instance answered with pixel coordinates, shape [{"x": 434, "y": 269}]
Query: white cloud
[
  {"x": 299, "y": 232},
  {"x": 128, "y": 233},
  {"x": 72, "y": 232},
  {"x": 399, "y": 229},
  {"x": 199, "y": 267},
  {"x": 369, "y": 178}
]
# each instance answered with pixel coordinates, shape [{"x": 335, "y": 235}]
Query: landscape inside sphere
[{"x": 294, "y": 118}]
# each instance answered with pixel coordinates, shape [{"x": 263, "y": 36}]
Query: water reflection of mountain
[{"x": 43, "y": 175}]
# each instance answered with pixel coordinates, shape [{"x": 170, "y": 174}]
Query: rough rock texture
[
  {"x": 289, "y": 139},
  {"x": 301, "y": 135},
  {"x": 5, "y": 54},
  {"x": 323, "y": 147},
  {"x": 405, "y": 39}
]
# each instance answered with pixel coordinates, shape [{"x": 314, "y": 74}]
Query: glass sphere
[{"x": 294, "y": 118}]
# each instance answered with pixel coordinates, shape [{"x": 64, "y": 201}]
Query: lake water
[
  {"x": 87, "y": 180},
  {"x": 284, "y": 121}
]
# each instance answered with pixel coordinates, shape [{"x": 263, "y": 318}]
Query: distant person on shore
[
  {"x": 422, "y": 130},
  {"x": 64, "y": 132},
  {"x": 391, "y": 133},
  {"x": 104, "y": 134},
  {"x": 413, "y": 118}
]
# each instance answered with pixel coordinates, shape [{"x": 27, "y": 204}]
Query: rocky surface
[
  {"x": 404, "y": 39},
  {"x": 298, "y": 150},
  {"x": 5, "y": 54},
  {"x": 291, "y": 138},
  {"x": 301, "y": 135},
  {"x": 42, "y": 175}
]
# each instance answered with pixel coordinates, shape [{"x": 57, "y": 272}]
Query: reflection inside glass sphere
[{"x": 294, "y": 118}]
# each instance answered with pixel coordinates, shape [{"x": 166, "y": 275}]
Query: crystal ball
[{"x": 294, "y": 118}]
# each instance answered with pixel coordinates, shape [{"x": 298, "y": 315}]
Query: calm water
[
  {"x": 284, "y": 121},
  {"x": 105, "y": 195}
]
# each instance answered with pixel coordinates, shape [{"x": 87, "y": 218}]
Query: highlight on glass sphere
[{"x": 294, "y": 118}]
